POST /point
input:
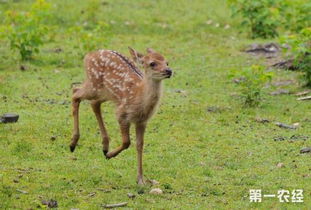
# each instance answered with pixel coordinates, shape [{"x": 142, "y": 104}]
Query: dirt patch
[
  {"x": 272, "y": 52},
  {"x": 285, "y": 64},
  {"x": 267, "y": 50},
  {"x": 295, "y": 137},
  {"x": 280, "y": 92},
  {"x": 305, "y": 150},
  {"x": 50, "y": 203},
  {"x": 281, "y": 83}
]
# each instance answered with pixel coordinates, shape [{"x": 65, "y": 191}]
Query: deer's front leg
[
  {"x": 125, "y": 132},
  {"x": 140, "y": 131}
]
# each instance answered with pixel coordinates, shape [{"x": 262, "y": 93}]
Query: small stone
[
  {"x": 180, "y": 91},
  {"x": 51, "y": 203},
  {"x": 131, "y": 195},
  {"x": 73, "y": 158},
  {"x": 280, "y": 165},
  {"x": 92, "y": 194},
  {"x": 57, "y": 50},
  {"x": 302, "y": 93},
  {"x": 296, "y": 125},
  {"x": 23, "y": 68},
  {"x": 22, "y": 191},
  {"x": 279, "y": 92},
  {"x": 282, "y": 125},
  {"x": 299, "y": 137},
  {"x": 153, "y": 181},
  {"x": 209, "y": 22},
  {"x": 283, "y": 83},
  {"x": 261, "y": 120},
  {"x": 305, "y": 150},
  {"x": 156, "y": 191},
  {"x": 239, "y": 80},
  {"x": 279, "y": 138},
  {"x": 9, "y": 118}
]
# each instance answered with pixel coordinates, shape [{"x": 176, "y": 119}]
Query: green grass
[{"x": 203, "y": 160}]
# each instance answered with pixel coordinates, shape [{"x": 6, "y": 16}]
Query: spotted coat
[{"x": 112, "y": 76}]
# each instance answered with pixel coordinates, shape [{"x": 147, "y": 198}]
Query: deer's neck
[{"x": 151, "y": 94}]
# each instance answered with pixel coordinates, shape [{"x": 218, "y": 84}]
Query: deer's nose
[{"x": 168, "y": 72}]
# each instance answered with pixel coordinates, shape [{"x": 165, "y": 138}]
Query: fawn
[{"x": 110, "y": 76}]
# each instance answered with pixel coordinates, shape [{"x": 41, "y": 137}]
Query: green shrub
[
  {"x": 25, "y": 30},
  {"x": 265, "y": 17},
  {"x": 300, "y": 52},
  {"x": 261, "y": 16},
  {"x": 295, "y": 14},
  {"x": 251, "y": 83}
]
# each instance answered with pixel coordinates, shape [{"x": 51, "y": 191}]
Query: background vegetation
[{"x": 206, "y": 149}]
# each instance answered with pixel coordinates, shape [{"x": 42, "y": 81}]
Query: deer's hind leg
[
  {"x": 79, "y": 94},
  {"x": 125, "y": 133},
  {"x": 105, "y": 138}
]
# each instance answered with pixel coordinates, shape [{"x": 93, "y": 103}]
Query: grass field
[{"x": 205, "y": 149}]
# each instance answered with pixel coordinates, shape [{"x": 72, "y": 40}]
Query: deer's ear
[
  {"x": 150, "y": 50},
  {"x": 137, "y": 57}
]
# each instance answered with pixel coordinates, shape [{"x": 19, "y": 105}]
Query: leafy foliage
[
  {"x": 261, "y": 16},
  {"x": 265, "y": 17},
  {"x": 25, "y": 30},
  {"x": 251, "y": 83},
  {"x": 300, "y": 50},
  {"x": 295, "y": 14}
]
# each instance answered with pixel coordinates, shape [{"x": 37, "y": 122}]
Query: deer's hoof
[
  {"x": 106, "y": 154},
  {"x": 72, "y": 148}
]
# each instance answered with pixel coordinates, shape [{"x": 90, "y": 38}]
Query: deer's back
[{"x": 112, "y": 76}]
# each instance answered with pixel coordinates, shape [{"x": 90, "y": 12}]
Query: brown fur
[{"x": 112, "y": 77}]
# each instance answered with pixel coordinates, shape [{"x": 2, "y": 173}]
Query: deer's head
[{"x": 155, "y": 65}]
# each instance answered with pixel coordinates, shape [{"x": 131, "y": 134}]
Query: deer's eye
[{"x": 152, "y": 64}]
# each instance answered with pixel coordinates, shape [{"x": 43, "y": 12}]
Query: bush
[
  {"x": 251, "y": 83},
  {"x": 265, "y": 17},
  {"x": 300, "y": 52},
  {"x": 25, "y": 30},
  {"x": 261, "y": 16},
  {"x": 295, "y": 14}
]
